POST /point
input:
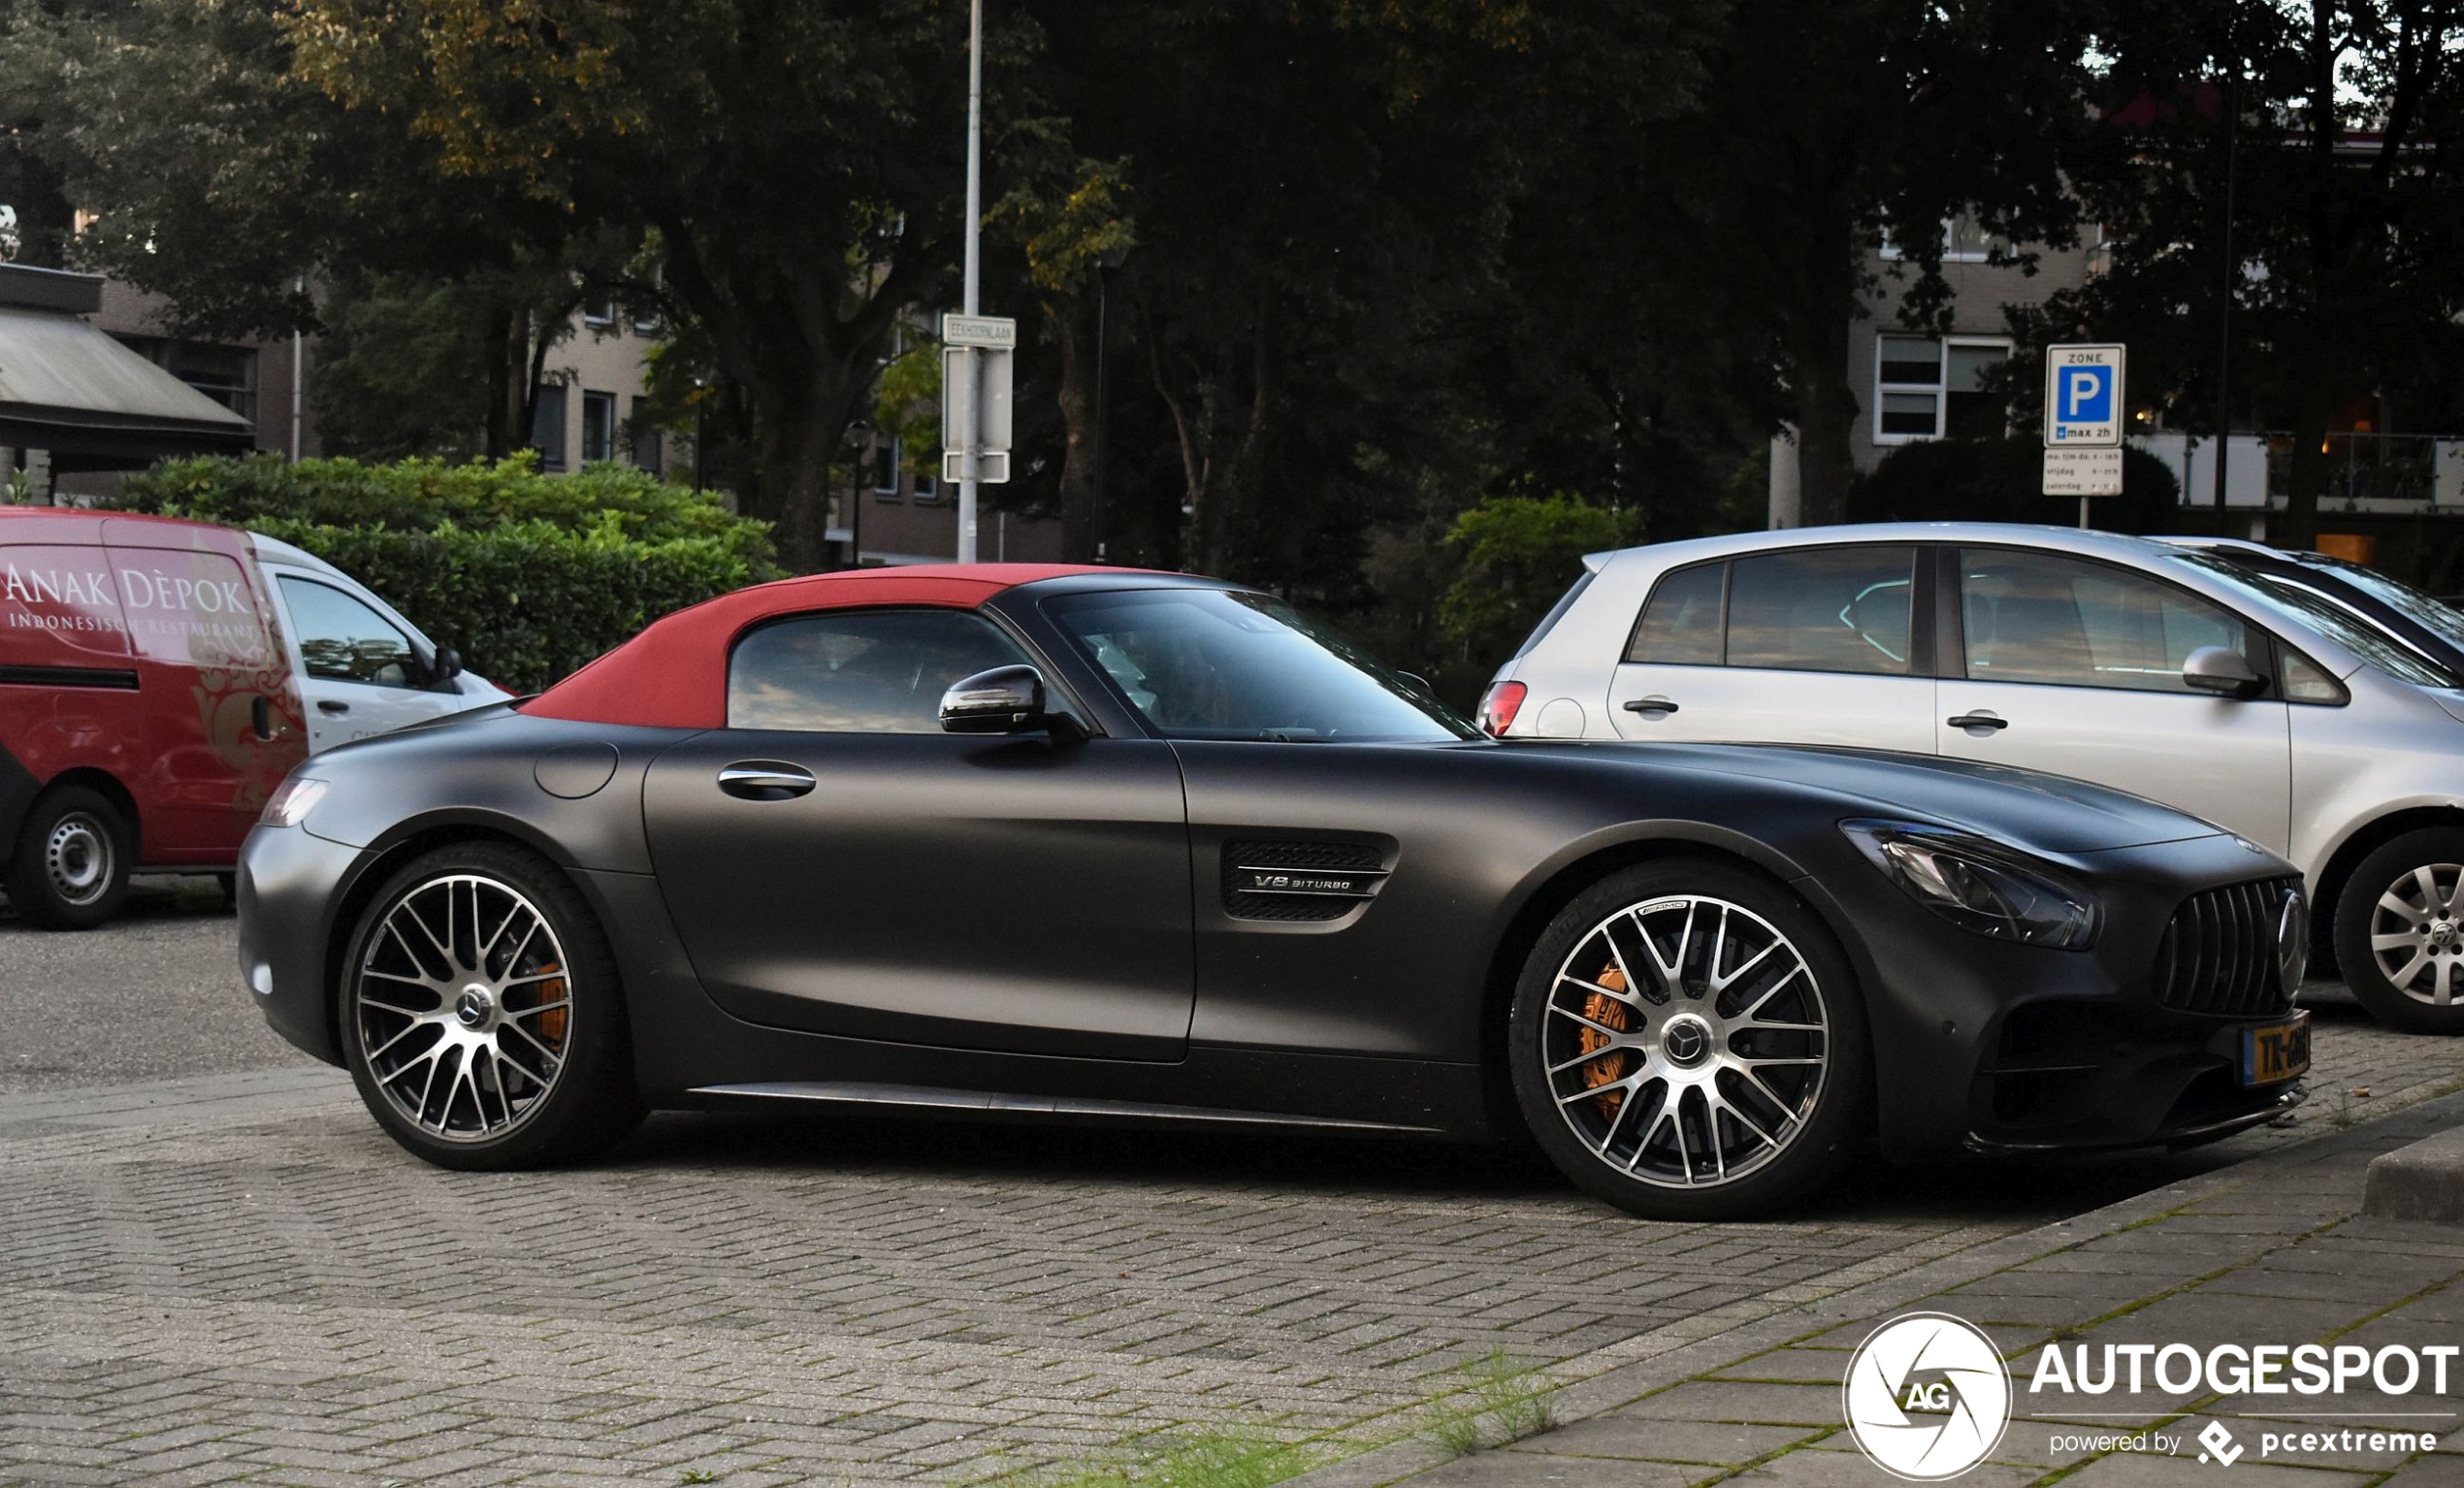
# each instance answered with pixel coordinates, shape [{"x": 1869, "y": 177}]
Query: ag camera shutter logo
[{"x": 1926, "y": 1397}]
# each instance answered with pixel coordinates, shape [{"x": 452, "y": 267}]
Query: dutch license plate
[{"x": 2276, "y": 1052}]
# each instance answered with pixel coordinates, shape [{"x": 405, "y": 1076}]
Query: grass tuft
[
  {"x": 1500, "y": 1399},
  {"x": 1220, "y": 1460}
]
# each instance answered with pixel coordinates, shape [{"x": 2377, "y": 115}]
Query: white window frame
[
  {"x": 1893, "y": 252},
  {"x": 592, "y": 399},
  {"x": 600, "y": 311},
  {"x": 890, "y": 447},
  {"x": 1938, "y": 389}
]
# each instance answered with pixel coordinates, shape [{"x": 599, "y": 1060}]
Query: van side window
[
  {"x": 1681, "y": 625},
  {"x": 1823, "y": 609},
  {"x": 342, "y": 640}
]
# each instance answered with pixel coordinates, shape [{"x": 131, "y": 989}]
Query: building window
[
  {"x": 547, "y": 425},
  {"x": 599, "y": 427},
  {"x": 927, "y": 488},
  {"x": 646, "y": 452},
  {"x": 1965, "y": 240},
  {"x": 599, "y": 311},
  {"x": 886, "y": 469},
  {"x": 1927, "y": 388},
  {"x": 645, "y": 322},
  {"x": 227, "y": 374}
]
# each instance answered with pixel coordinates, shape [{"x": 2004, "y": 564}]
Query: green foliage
[
  {"x": 1502, "y": 1398},
  {"x": 2002, "y": 481},
  {"x": 907, "y": 406},
  {"x": 1518, "y": 555},
  {"x": 529, "y": 576},
  {"x": 1215, "y": 1460}
]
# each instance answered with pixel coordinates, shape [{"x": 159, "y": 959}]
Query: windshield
[
  {"x": 2329, "y": 618},
  {"x": 2441, "y": 620},
  {"x": 1204, "y": 664}
]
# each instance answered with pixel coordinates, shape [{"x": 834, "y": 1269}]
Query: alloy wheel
[
  {"x": 77, "y": 858},
  {"x": 463, "y": 1006},
  {"x": 2416, "y": 933},
  {"x": 1686, "y": 1041}
]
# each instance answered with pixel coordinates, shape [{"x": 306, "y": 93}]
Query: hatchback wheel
[
  {"x": 2400, "y": 932},
  {"x": 481, "y": 1015},
  {"x": 1688, "y": 1044},
  {"x": 70, "y": 871}
]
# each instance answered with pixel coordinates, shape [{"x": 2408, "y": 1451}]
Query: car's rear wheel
[
  {"x": 1688, "y": 1044},
  {"x": 70, "y": 871},
  {"x": 2400, "y": 931},
  {"x": 481, "y": 1014}
]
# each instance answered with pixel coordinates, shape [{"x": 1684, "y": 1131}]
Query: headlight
[
  {"x": 291, "y": 803},
  {"x": 1980, "y": 885}
]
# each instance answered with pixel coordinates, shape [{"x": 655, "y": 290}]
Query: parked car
[
  {"x": 158, "y": 679},
  {"x": 2429, "y": 626},
  {"x": 1112, "y": 846},
  {"x": 2136, "y": 664}
]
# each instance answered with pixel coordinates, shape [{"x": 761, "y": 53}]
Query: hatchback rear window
[{"x": 1681, "y": 625}]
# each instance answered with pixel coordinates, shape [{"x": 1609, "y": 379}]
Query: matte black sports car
[{"x": 1096, "y": 844}]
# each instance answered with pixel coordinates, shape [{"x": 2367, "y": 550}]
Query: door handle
[
  {"x": 766, "y": 779},
  {"x": 261, "y": 717},
  {"x": 1979, "y": 721},
  {"x": 329, "y": 705},
  {"x": 1651, "y": 706}
]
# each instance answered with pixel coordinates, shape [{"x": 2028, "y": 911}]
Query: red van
[{"x": 147, "y": 705}]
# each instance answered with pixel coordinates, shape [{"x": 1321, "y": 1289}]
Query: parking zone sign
[{"x": 2083, "y": 397}]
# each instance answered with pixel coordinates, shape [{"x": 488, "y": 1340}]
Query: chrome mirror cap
[{"x": 1007, "y": 699}]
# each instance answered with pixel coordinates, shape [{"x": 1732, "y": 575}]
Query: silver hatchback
[{"x": 2121, "y": 660}]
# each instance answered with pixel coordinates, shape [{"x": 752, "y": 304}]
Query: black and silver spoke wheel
[
  {"x": 462, "y": 1007},
  {"x": 1687, "y": 1043},
  {"x": 480, "y": 1013},
  {"x": 2400, "y": 931},
  {"x": 1687, "y": 1040}
]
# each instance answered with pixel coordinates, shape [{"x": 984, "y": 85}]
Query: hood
[{"x": 2048, "y": 813}]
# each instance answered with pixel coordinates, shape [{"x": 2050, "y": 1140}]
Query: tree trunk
[
  {"x": 2310, "y": 466},
  {"x": 1818, "y": 375},
  {"x": 799, "y": 425},
  {"x": 507, "y": 348},
  {"x": 1067, "y": 315}
]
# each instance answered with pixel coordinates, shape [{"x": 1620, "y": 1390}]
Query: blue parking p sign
[{"x": 2083, "y": 397}]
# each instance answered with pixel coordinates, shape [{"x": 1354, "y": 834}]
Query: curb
[
  {"x": 1682, "y": 1358},
  {"x": 2425, "y": 1180}
]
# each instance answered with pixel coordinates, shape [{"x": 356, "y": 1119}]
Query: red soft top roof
[{"x": 674, "y": 674}]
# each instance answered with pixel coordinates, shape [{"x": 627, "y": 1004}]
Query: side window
[
  {"x": 342, "y": 640},
  {"x": 1681, "y": 625},
  {"x": 2036, "y": 617},
  {"x": 860, "y": 672},
  {"x": 1823, "y": 609}
]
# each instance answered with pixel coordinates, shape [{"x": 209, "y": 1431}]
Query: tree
[{"x": 2318, "y": 140}]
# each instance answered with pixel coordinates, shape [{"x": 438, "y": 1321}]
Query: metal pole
[
  {"x": 2224, "y": 304},
  {"x": 1103, "y": 305},
  {"x": 299, "y": 362},
  {"x": 974, "y": 266}
]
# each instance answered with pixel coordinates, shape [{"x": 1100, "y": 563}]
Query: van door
[{"x": 361, "y": 673}]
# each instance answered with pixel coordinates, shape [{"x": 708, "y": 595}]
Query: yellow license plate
[{"x": 2277, "y": 1053}]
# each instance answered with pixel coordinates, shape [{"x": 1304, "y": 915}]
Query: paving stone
[{"x": 1646, "y": 1438}]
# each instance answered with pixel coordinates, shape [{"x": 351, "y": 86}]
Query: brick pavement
[{"x": 239, "y": 1280}]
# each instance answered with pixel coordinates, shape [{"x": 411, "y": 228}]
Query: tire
[
  {"x": 1596, "y": 1063},
  {"x": 70, "y": 871},
  {"x": 481, "y": 1014},
  {"x": 2401, "y": 946}
]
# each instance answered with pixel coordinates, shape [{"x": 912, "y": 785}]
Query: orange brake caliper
[{"x": 1609, "y": 1068}]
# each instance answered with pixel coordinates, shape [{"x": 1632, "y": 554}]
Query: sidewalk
[{"x": 2273, "y": 1250}]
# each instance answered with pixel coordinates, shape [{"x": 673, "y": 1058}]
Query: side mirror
[
  {"x": 447, "y": 666},
  {"x": 1007, "y": 699},
  {"x": 2222, "y": 672}
]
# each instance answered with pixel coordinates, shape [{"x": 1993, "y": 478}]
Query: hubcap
[
  {"x": 2416, "y": 933},
  {"x": 1686, "y": 1041},
  {"x": 76, "y": 857},
  {"x": 462, "y": 1007}
]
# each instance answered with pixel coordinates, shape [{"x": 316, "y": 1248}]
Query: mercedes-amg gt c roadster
[{"x": 1097, "y": 845}]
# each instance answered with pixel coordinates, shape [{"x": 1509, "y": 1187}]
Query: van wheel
[
  {"x": 2400, "y": 932},
  {"x": 71, "y": 868}
]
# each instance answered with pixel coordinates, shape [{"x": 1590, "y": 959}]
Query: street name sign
[
  {"x": 2083, "y": 397},
  {"x": 997, "y": 332},
  {"x": 2089, "y": 471}
]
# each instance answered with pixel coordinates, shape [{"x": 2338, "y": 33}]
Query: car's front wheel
[
  {"x": 1688, "y": 1044},
  {"x": 481, "y": 1015},
  {"x": 2400, "y": 931}
]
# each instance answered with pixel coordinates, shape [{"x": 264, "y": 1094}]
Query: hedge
[
  {"x": 529, "y": 576},
  {"x": 2002, "y": 481}
]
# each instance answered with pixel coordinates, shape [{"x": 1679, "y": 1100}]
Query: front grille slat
[{"x": 2219, "y": 955}]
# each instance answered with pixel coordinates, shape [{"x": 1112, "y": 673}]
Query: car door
[
  {"x": 2074, "y": 667},
  {"x": 360, "y": 674},
  {"x": 1803, "y": 645},
  {"x": 836, "y": 863}
]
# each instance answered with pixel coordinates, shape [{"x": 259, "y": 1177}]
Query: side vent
[{"x": 1300, "y": 881}]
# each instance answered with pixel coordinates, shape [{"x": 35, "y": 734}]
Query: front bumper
[
  {"x": 290, "y": 883},
  {"x": 1986, "y": 1046}
]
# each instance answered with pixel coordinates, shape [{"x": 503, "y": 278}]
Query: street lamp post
[
  {"x": 1105, "y": 263},
  {"x": 974, "y": 264}
]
